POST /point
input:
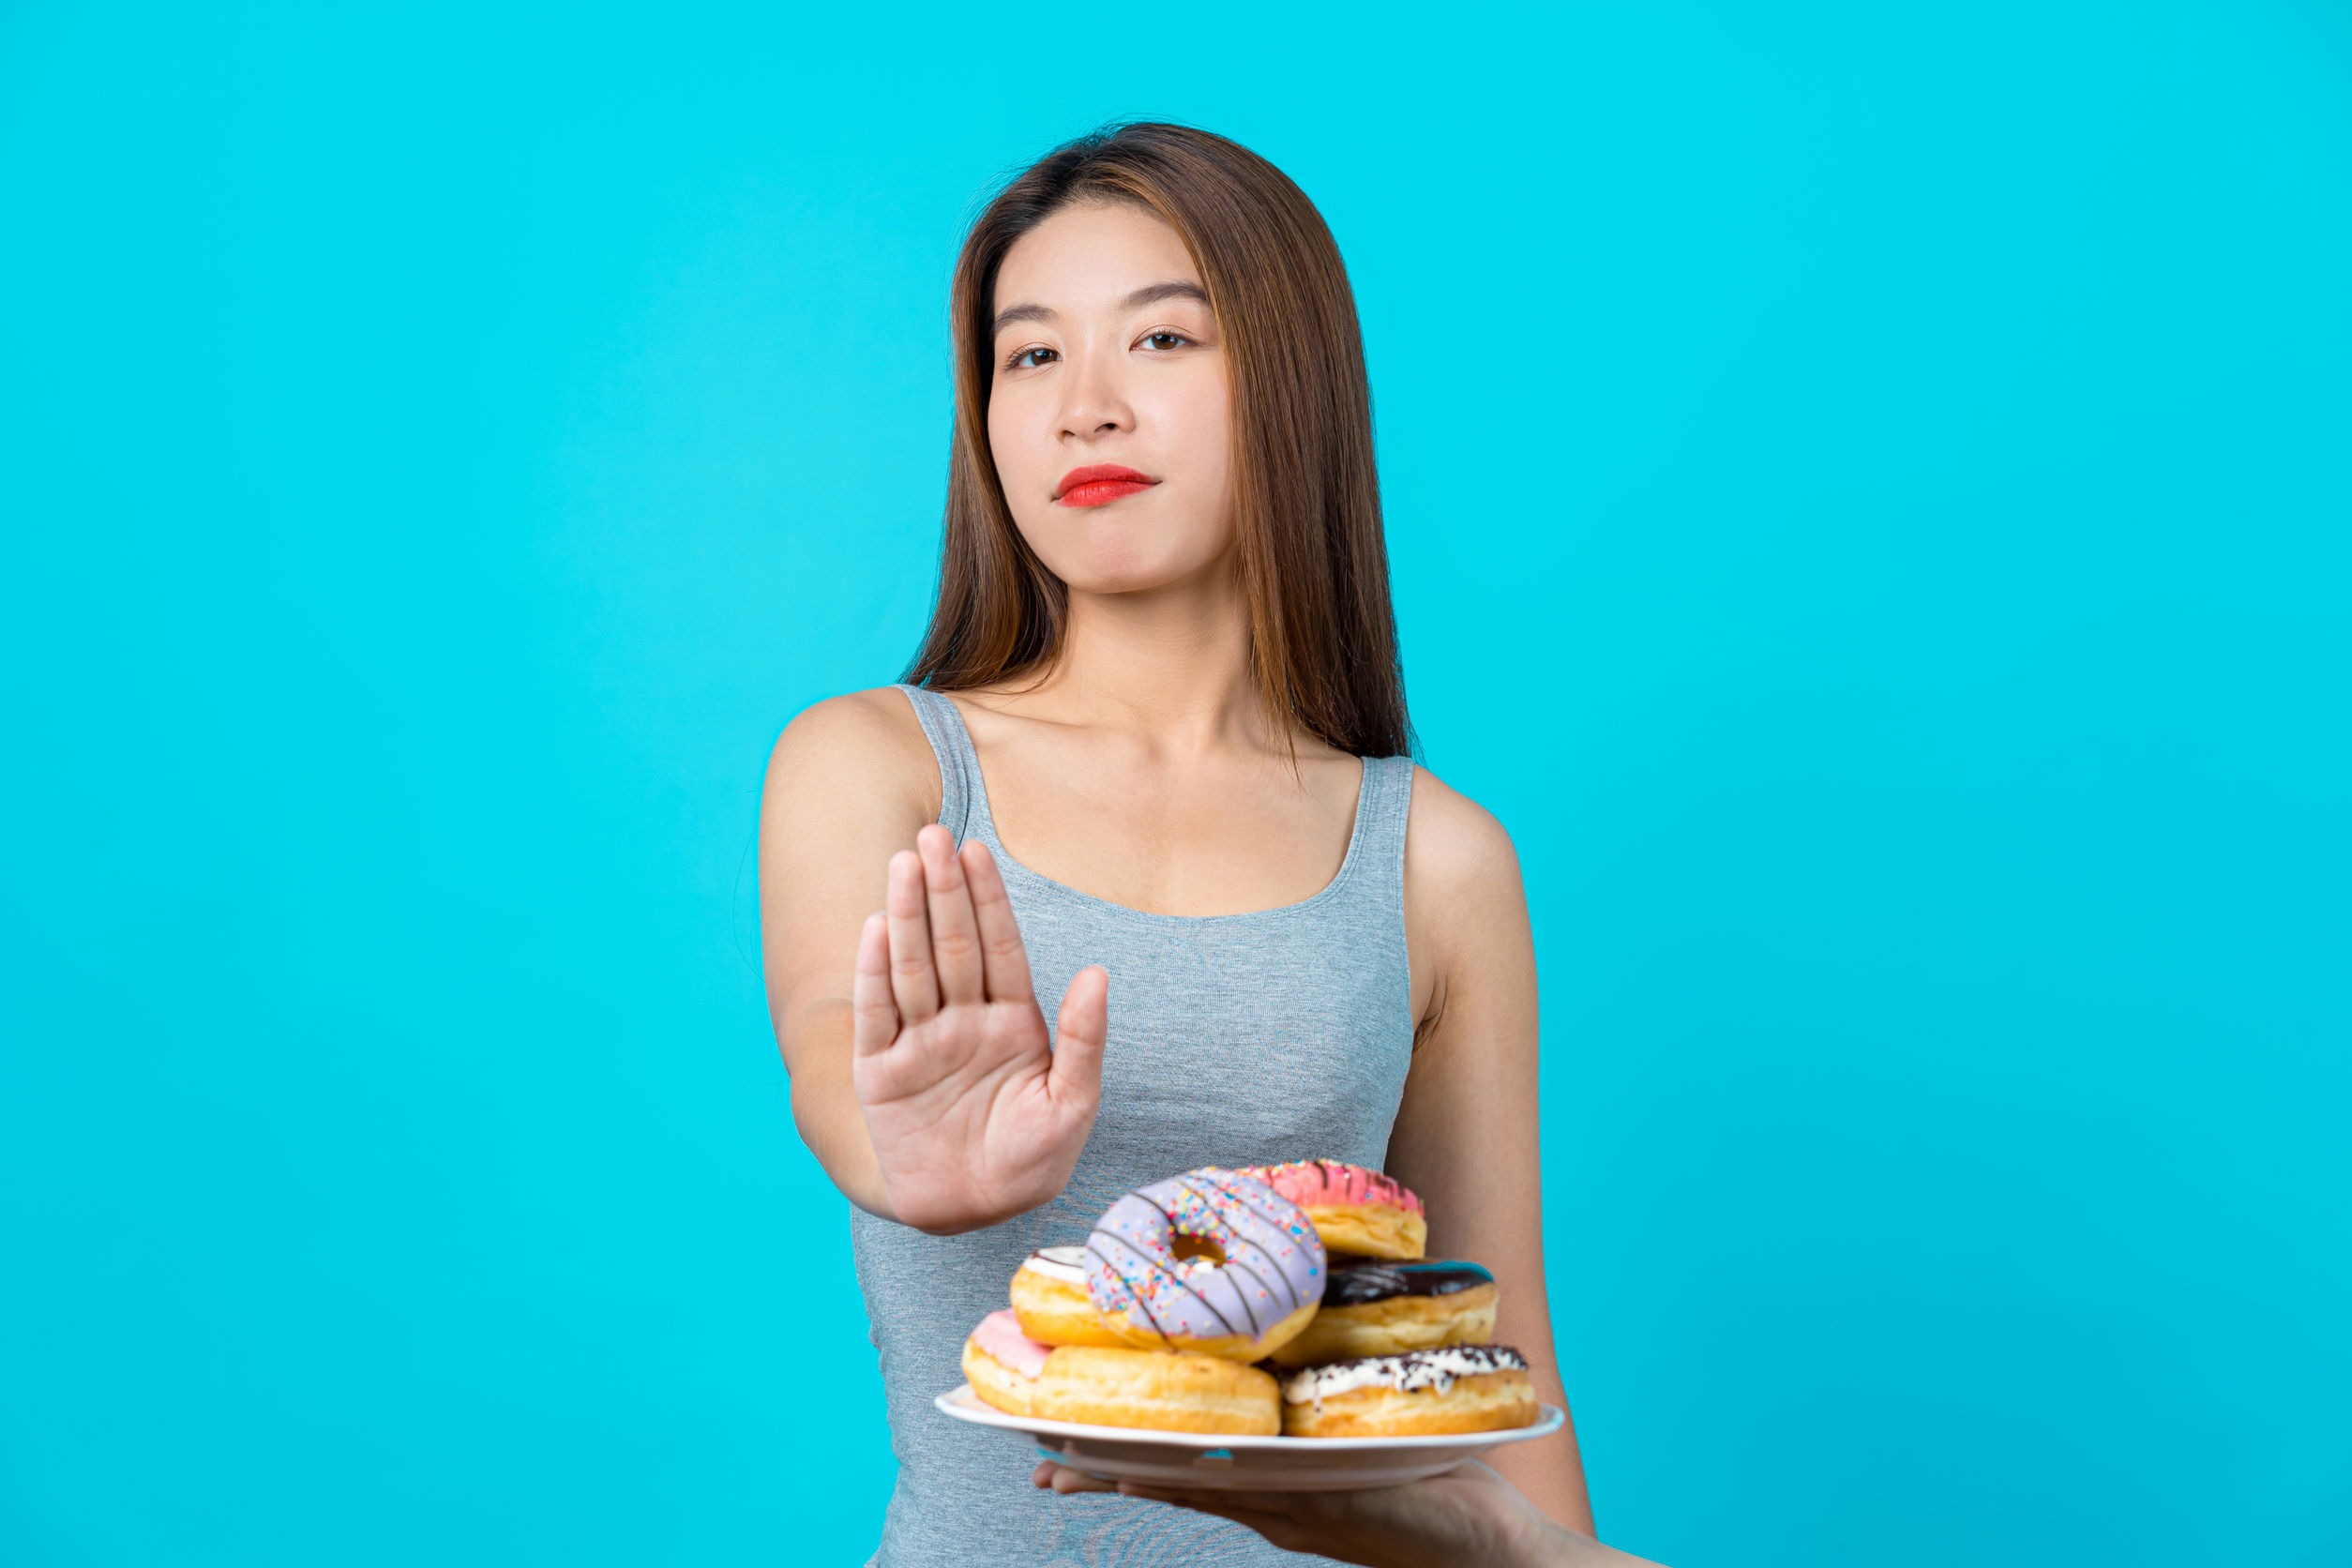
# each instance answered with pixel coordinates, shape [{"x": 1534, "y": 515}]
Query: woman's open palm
[{"x": 974, "y": 1117}]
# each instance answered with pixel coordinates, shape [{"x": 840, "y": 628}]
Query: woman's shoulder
[
  {"x": 1457, "y": 854},
  {"x": 864, "y": 742}
]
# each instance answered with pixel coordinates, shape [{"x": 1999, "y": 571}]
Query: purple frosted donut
[{"x": 1256, "y": 1293}]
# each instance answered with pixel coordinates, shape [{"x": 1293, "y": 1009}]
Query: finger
[
  {"x": 955, "y": 933},
  {"x": 912, "y": 981},
  {"x": 874, "y": 1017},
  {"x": 1004, "y": 961},
  {"x": 1064, "y": 1480},
  {"x": 1078, "y": 1035}
]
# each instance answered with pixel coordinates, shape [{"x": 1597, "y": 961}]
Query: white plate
[{"x": 1220, "y": 1462}]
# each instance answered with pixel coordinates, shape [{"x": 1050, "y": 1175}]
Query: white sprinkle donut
[{"x": 1461, "y": 1388}]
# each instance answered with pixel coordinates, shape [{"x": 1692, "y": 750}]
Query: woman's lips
[{"x": 1100, "y": 484}]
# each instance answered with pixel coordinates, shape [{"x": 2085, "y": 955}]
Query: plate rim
[{"x": 963, "y": 1405}]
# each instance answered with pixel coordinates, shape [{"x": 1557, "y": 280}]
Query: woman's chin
[{"x": 1130, "y": 575}]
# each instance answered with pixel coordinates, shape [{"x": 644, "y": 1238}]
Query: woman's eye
[
  {"x": 1020, "y": 361},
  {"x": 1175, "y": 336}
]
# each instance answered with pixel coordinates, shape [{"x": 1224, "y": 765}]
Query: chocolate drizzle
[
  {"x": 1361, "y": 1284},
  {"x": 1330, "y": 1183},
  {"x": 1269, "y": 1262},
  {"x": 1143, "y": 1298},
  {"x": 1066, "y": 1263}
]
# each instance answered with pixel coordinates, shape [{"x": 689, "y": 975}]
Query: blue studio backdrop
[{"x": 1867, "y": 489}]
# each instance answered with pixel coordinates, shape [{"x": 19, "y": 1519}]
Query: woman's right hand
[{"x": 974, "y": 1117}]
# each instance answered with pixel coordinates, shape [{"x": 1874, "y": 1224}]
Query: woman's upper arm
[
  {"x": 849, "y": 781},
  {"x": 1467, "y": 1134}
]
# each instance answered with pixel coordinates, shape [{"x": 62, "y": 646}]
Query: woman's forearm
[
  {"x": 825, "y": 1108},
  {"x": 1535, "y": 1540},
  {"x": 1551, "y": 1484}
]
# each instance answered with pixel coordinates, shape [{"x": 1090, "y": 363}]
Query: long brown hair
[{"x": 1313, "y": 566}]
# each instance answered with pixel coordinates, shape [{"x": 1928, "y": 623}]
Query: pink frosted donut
[
  {"x": 1212, "y": 1260},
  {"x": 1354, "y": 1210}
]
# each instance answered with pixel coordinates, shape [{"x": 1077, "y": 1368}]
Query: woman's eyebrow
[{"x": 1150, "y": 293}]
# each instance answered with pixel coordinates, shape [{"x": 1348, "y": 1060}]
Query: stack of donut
[{"x": 1313, "y": 1271}]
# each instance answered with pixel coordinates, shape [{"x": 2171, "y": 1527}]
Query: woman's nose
[{"x": 1092, "y": 399}]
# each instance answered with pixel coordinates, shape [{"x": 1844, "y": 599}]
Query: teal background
[{"x": 1868, "y": 493}]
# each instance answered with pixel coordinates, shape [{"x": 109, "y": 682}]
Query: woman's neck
[{"x": 1171, "y": 666}]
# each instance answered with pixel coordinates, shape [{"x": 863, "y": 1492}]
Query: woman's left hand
[{"x": 1470, "y": 1515}]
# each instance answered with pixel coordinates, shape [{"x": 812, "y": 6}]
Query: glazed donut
[
  {"x": 1354, "y": 1210},
  {"x": 1461, "y": 1388},
  {"x": 1162, "y": 1391},
  {"x": 1212, "y": 1262},
  {"x": 1386, "y": 1309},
  {"x": 1050, "y": 1297}
]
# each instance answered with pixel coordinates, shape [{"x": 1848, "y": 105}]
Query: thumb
[{"x": 1078, "y": 1032}]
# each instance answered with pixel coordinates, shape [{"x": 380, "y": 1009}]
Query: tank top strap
[
  {"x": 963, "y": 800},
  {"x": 1383, "y": 809}
]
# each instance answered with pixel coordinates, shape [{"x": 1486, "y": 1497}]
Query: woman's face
[{"x": 1107, "y": 356}]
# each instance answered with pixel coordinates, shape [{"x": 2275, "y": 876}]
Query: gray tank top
[{"x": 1235, "y": 1039}]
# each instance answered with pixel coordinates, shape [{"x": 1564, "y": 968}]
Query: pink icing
[
  {"x": 1327, "y": 1184},
  {"x": 1000, "y": 1334}
]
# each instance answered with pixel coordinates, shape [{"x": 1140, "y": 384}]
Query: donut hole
[{"x": 1195, "y": 1254}]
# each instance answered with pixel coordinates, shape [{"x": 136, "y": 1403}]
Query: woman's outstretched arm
[
  {"x": 1470, "y": 1514},
  {"x": 1466, "y": 1135},
  {"x": 922, "y": 1077}
]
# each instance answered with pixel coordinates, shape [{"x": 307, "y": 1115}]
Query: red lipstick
[{"x": 1100, "y": 483}]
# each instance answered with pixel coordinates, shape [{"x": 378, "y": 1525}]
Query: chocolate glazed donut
[{"x": 1389, "y": 1309}]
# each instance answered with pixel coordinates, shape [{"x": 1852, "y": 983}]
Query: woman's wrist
[
  {"x": 1558, "y": 1547},
  {"x": 952, "y": 1210},
  {"x": 1536, "y": 1540},
  {"x": 1526, "y": 1537}
]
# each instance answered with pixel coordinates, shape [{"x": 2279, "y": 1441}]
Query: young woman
[{"x": 1150, "y": 761}]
